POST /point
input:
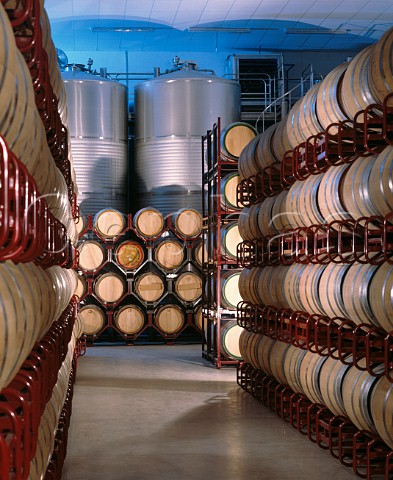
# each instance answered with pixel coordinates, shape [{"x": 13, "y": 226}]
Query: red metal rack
[
  {"x": 342, "y": 142},
  {"x": 55, "y": 467},
  {"x": 23, "y": 401},
  {"x": 24, "y": 16},
  {"x": 363, "y": 451},
  {"x": 28, "y": 230},
  {"x": 367, "y": 240},
  {"x": 215, "y": 216},
  {"x": 338, "y": 338}
]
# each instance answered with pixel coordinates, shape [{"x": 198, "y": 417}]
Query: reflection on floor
[{"x": 163, "y": 413}]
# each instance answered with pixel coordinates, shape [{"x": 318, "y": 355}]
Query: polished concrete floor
[{"x": 163, "y": 413}]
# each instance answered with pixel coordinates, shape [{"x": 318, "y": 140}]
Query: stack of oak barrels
[
  {"x": 128, "y": 271},
  {"x": 357, "y": 193},
  {"x": 36, "y": 316}
]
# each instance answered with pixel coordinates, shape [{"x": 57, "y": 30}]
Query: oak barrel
[
  {"x": 279, "y": 217},
  {"x": 169, "y": 319},
  {"x": 200, "y": 252},
  {"x": 355, "y": 88},
  {"x": 187, "y": 223},
  {"x": 292, "y": 362},
  {"x": 129, "y": 255},
  {"x": 81, "y": 286},
  {"x": 263, "y": 348},
  {"x": 244, "y": 342},
  {"x": 248, "y": 222},
  {"x": 265, "y": 286},
  {"x": 230, "y": 239},
  {"x": 20, "y": 321},
  {"x": 64, "y": 283},
  {"x": 309, "y": 375},
  {"x": 109, "y": 222},
  {"x": 331, "y": 290},
  {"x": 380, "y": 182},
  {"x": 308, "y": 202},
  {"x": 381, "y": 296},
  {"x": 356, "y": 291},
  {"x": 280, "y": 142},
  {"x": 356, "y": 390},
  {"x": 293, "y": 215},
  {"x": 277, "y": 361},
  {"x": 228, "y": 191},
  {"x": 248, "y": 164},
  {"x": 234, "y": 138},
  {"x": 129, "y": 319},
  {"x": 381, "y": 67},
  {"x": 148, "y": 222},
  {"x": 109, "y": 287},
  {"x": 308, "y": 289},
  {"x": 265, "y": 224},
  {"x": 230, "y": 295},
  {"x": 329, "y": 104},
  {"x": 330, "y": 198},
  {"x": 46, "y": 290},
  {"x": 291, "y": 287},
  {"x": 382, "y": 409},
  {"x": 248, "y": 285},
  {"x": 230, "y": 335},
  {"x": 80, "y": 224},
  {"x": 264, "y": 154},
  {"x": 93, "y": 319},
  {"x": 356, "y": 188},
  {"x": 149, "y": 286},
  {"x": 188, "y": 286},
  {"x": 91, "y": 255},
  {"x": 198, "y": 318},
  {"x": 302, "y": 121},
  {"x": 330, "y": 382},
  {"x": 169, "y": 253}
]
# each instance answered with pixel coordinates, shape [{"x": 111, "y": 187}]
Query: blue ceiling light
[
  {"x": 219, "y": 30},
  {"x": 315, "y": 31},
  {"x": 124, "y": 29},
  {"x": 228, "y": 29}
]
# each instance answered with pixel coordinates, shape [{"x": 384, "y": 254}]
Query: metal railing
[{"x": 281, "y": 105}]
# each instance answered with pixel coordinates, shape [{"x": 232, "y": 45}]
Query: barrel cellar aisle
[{"x": 163, "y": 413}]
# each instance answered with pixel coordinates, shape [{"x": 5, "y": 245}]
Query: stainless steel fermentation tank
[
  {"x": 97, "y": 122},
  {"x": 172, "y": 112}
]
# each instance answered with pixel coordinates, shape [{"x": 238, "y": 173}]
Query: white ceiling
[{"x": 267, "y": 22}]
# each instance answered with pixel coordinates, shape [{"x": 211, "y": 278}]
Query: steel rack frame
[{"x": 215, "y": 216}]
